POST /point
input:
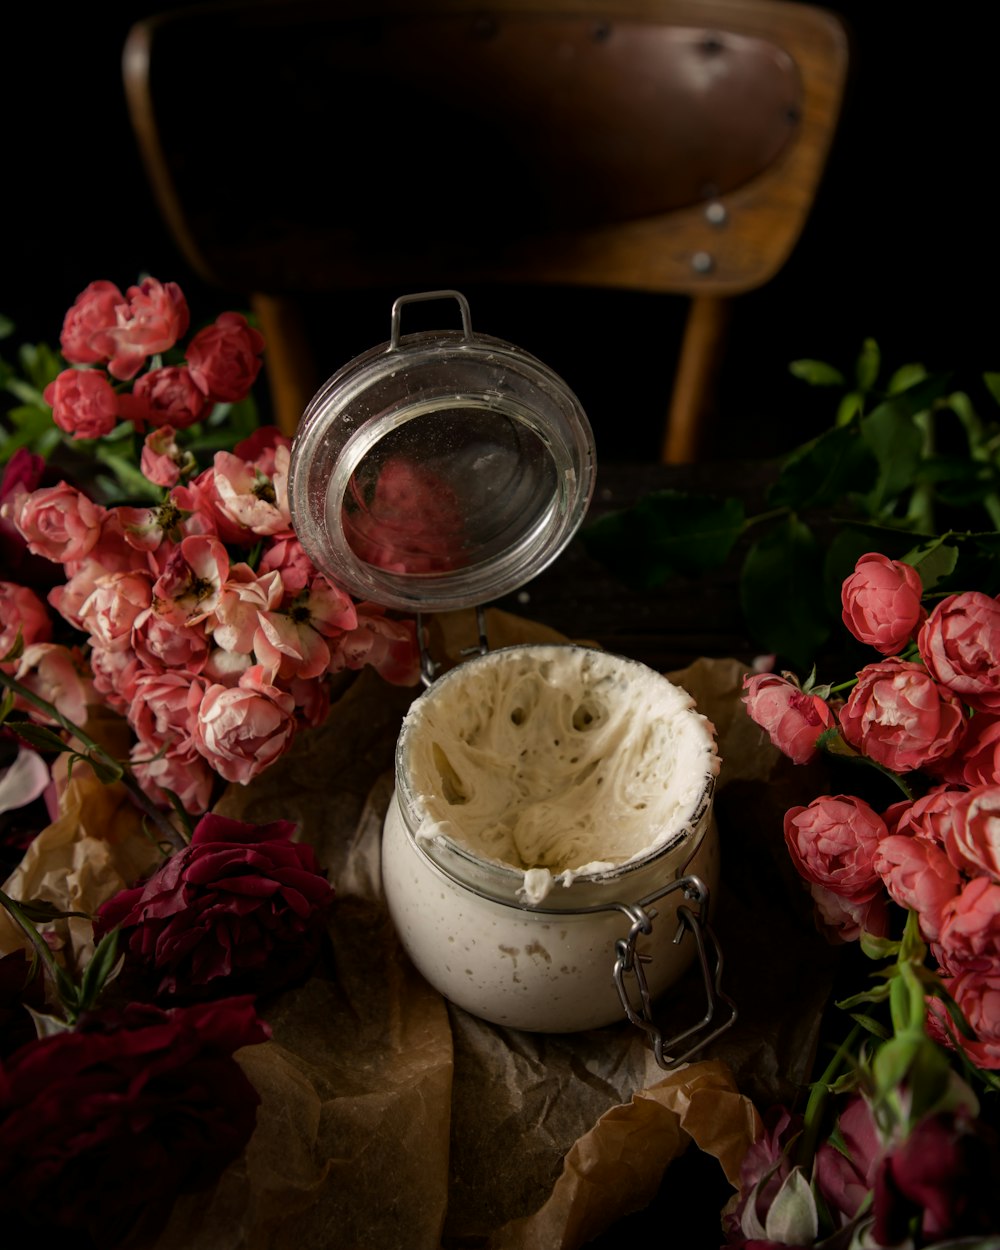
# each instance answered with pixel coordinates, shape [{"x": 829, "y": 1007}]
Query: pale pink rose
[
  {"x": 115, "y": 674},
  {"x": 110, "y": 612},
  {"x": 59, "y": 522},
  {"x": 881, "y": 602},
  {"x": 224, "y": 358},
  {"x": 242, "y": 730},
  {"x": 918, "y": 876},
  {"x": 225, "y": 668},
  {"x": 151, "y": 320},
  {"x": 977, "y": 994},
  {"x": 57, "y": 675},
  {"x": 960, "y": 644},
  {"x": 165, "y": 396},
  {"x": 976, "y": 759},
  {"x": 190, "y": 585},
  {"x": 163, "y": 461},
  {"x": 249, "y": 500},
  {"x": 103, "y": 561},
  {"x": 94, "y": 313},
  {"x": 384, "y": 643},
  {"x": 970, "y": 928},
  {"x": 288, "y": 557},
  {"x": 198, "y": 500},
  {"x": 166, "y": 707},
  {"x": 21, "y": 608},
  {"x": 843, "y": 919},
  {"x": 286, "y": 647},
  {"x": 161, "y": 642},
  {"x": 83, "y": 403},
  {"x": 972, "y": 838},
  {"x": 312, "y": 700},
  {"x": 791, "y": 719},
  {"x": 260, "y": 448},
  {"x": 900, "y": 717},
  {"x": 833, "y": 842},
  {"x": 182, "y": 771},
  {"x": 244, "y": 597}
]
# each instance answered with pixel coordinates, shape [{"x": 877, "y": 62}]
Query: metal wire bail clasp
[{"x": 692, "y": 916}]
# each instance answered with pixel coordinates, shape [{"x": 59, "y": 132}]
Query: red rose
[
  {"x": 792, "y": 720},
  {"x": 900, "y": 717},
  {"x": 94, "y": 312},
  {"x": 83, "y": 402},
  {"x": 918, "y": 875},
  {"x": 881, "y": 602},
  {"x": 972, "y": 834},
  {"x": 166, "y": 396},
  {"x": 240, "y": 908},
  {"x": 976, "y": 760},
  {"x": 960, "y": 644},
  {"x": 149, "y": 321},
  {"x": 833, "y": 843},
  {"x": 99, "y": 1123},
  {"x": 224, "y": 358}
]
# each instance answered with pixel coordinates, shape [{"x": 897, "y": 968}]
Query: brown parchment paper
[{"x": 391, "y": 1119}]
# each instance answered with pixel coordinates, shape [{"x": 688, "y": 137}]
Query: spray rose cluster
[
  {"x": 199, "y": 618},
  {"x": 917, "y": 879}
]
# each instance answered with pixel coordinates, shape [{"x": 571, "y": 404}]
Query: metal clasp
[
  {"x": 429, "y": 667},
  {"x": 629, "y": 962},
  {"x": 420, "y": 297}
]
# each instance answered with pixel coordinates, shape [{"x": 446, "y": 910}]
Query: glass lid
[{"x": 440, "y": 470}]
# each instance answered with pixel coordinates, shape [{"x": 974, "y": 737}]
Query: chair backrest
[{"x": 310, "y": 147}]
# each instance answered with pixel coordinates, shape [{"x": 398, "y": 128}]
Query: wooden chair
[{"x": 305, "y": 148}]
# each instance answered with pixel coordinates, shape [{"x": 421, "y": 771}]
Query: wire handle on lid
[{"x": 420, "y": 297}]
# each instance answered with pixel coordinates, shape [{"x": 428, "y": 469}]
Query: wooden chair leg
[
  {"x": 288, "y": 362},
  {"x": 701, "y": 355}
]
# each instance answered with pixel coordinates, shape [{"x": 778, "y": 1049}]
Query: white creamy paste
[{"x": 557, "y": 761}]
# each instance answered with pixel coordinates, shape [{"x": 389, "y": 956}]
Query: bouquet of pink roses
[
  {"x": 193, "y": 609},
  {"x": 896, "y": 1146}
]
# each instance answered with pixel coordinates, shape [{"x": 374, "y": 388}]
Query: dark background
[{"x": 902, "y": 245}]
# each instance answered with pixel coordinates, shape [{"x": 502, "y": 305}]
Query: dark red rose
[
  {"x": 945, "y": 1176},
  {"x": 98, "y": 1124},
  {"x": 241, "y": 909}
]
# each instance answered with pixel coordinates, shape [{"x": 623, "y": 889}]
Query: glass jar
[
  {"x": 437, "y": 472},
  {"x": 543, "y": 795}
]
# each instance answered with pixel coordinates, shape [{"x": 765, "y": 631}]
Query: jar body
[{"x": 533, "y": 968}]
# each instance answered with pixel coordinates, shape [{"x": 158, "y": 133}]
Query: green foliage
[{"x": 908, "y": 467}]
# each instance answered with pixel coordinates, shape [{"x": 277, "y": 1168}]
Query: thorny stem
[{"x": 128, "y": 780}]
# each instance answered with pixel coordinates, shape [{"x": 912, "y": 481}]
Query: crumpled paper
[{"x": 391, "y": 1119}]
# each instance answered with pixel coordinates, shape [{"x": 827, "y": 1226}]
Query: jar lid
[{"x": 440, "y": 470}]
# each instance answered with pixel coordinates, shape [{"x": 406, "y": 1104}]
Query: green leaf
[
  {"x": 867, "y": 365},
  {"x": 37, "y": 735},
  {"x": 781, "y": 590},
  {"x": 817, "y": 373},
  {"x": 933, "y": 560},
  {"x": 905, "y": 377},
  {"x": 665, "y": 534},
  {"x": 6, "y": 327},
  {"x": 106, "y": 771},
  {"x": 879, "y": 948},
  {"x": 40, "y": 364},
  {"x": 823, "y": 471},
  {"x": 992, "y": 381},
  {"x": 41, "y": 911},
  {"x": 871, "y": 1025},
  {"x": 897, "y": 444},
  {"x": 102, "y": 967},
  {"x": 852, "y": 405}
]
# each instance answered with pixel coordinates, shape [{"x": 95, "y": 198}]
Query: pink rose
[
  {"x": 94, "y": 313},
  {"x": 792, "y": 719},
  {"x": 842, "y": 919},
  {"x": 110, "y": 612},
  {"x": 977, "y": 994},
  {"x": 928, "y": 817},
  {"x": 165, "y": 396},
  {"x": 189, "y": 588},
  {"x": 151, "y": 321},
  {"x": 21, "y": 608},
  {"x": 83, "y": 402},
  {"x": 919, "y": 876},
  {"x": 294, "y": 643},
  {"x": 845, "y": 1176},
  {"x": 166, "y": 707},
  {"x": 241, "y": 907},
  {"x": 224, "y": 358},
  {"x": 972, "y": 836},
  {"x": 242, "y": 730},
  {"x": 59, "y": 522},
  {"x": 288, "y": 557},
  {"x": 960, "y": 644},
  {"x": 163, "y": 461},
  {"x": 237, "y": 615},
  {"x": 59, "y": 676},
  {"x": 881, "y": 602},
  {"x": 261, "y": 446},
  {"x": 380, "y": 641},
  {"x": 177, "y": 769},
  {"x": 833, "y": 843},
  {"x": 976, "y": 759},
  {"x": 246, "y": 501},
  {"x": 162, "y": 642},
  {"x": 970, "y": 928},
  {"x": 900, "y": 717}
]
